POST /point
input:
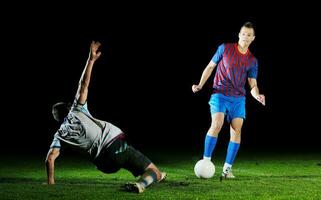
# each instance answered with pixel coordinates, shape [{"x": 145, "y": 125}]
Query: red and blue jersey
[{"x": 233, "y": 69}]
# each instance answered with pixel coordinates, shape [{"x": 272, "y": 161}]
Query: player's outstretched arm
[
  {"x": 255, "y": 91},
  {"x": 84, "y": 81},
  {"x": 205, "y": 75},
  {"x": 53, "y": 153}
]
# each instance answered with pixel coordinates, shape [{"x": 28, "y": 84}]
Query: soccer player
[
  {"x": 102, "y": 141},
  {"x": 235, "y": 64}
]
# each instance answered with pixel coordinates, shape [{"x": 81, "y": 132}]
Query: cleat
[
  {"x": 163, "y": 177},
  {"x": 134, "y": 187},
  {"x": 227, "y": 174}
]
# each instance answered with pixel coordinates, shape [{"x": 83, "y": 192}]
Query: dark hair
[
  {"x": 249, "y": 25},
  {"x": 60, "y": 110}
]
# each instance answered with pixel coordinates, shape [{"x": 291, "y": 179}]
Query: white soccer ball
[{"x": 204, "y": 169}]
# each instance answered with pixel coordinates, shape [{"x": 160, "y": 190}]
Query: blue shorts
[{"x": 232, "y": 107}]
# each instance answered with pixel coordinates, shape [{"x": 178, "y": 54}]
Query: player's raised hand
[
  {"x": 196, "y": 88},
  {"x": 94, "y": 53},
  {"x": 261, "y": 99}
]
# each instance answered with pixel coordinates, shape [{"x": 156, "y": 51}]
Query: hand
[
  {"x": 261, "y": 99},
  {"x": 94, "y": 53},
  {"x": 196, "y": 88}
]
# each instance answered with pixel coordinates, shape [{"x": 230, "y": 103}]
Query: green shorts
[{"x": 121, "y": 155}]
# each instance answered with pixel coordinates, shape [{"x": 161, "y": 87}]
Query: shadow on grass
[
  {"x": 283, "y": 177},
  {"x": 15, "y": 180},
  {"x": 19, "y": 180},
  {"x": 171, "y": 183}
]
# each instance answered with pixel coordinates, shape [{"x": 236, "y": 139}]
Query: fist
[{"x": 196, "y": 88}]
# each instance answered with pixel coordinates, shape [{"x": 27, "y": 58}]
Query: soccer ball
[{"x": 204, "y": 169}]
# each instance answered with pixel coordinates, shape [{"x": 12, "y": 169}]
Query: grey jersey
[{"x": 81, "y": 130}]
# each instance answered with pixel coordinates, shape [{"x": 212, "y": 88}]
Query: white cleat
[
  {"x": 134, "y": 187},
  {"x": 227, "y": 174}
]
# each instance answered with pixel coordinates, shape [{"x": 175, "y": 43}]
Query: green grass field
[{"x": 259, "y": 175}]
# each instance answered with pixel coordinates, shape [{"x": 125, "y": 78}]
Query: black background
[{"x": 152, "y": 55}]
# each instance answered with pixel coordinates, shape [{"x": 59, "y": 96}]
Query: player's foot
[
  {"x": 227, "y": 174},
  {"x": 163, "y": 177},
  {"x": 134, "y": 187}
]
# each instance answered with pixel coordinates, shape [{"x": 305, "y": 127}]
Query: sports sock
[
  {"x": 231, "y": 152},
  {"x": 148, "y": 178},
  {"x": 209, "y": 146}
]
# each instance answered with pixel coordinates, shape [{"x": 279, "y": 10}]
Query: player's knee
[
  {"x": 215, "y": 128},
  {"x": 237, "y": 131},
  {"x": 236, "y": 137}
]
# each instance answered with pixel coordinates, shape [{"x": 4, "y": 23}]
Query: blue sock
[
  {"x": 231, "y": 152},
  {"x": 209, "y": 145}
]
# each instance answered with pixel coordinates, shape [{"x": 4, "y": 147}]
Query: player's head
[
  {"x": 60, "y": 111},
  {"x": 246, "y": 34}
]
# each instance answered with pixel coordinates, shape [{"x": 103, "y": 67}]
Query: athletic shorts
[
  {"x": 121, "y": 155},
  {"x": 232, "y": 107}
]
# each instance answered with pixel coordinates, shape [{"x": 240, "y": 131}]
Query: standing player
[
  {"x": 102, "y": 141},
  {"x": 235, "y": 64}
]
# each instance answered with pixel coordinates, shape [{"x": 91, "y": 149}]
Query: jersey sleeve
[
  {"x": 55, "y": 143},
  {"x": 80, "y": 107},
  {"x": 253, "y": 71},
  {"x": 219, "y": 54}
]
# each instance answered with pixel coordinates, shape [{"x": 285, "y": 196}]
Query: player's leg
[
  {"x": 236, "y": 116},
  {"x": 217, "y": 108},
  {"x": 152, "y": 174},
  {"x": 233, "y": 146},
  {"x": 212, "y": 134},
  {"x": 139, "y": 165}
]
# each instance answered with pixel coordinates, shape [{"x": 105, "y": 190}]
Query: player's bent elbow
[
  {"x": 52, "y": 156},
  {"x": 83, "y": 88}
]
